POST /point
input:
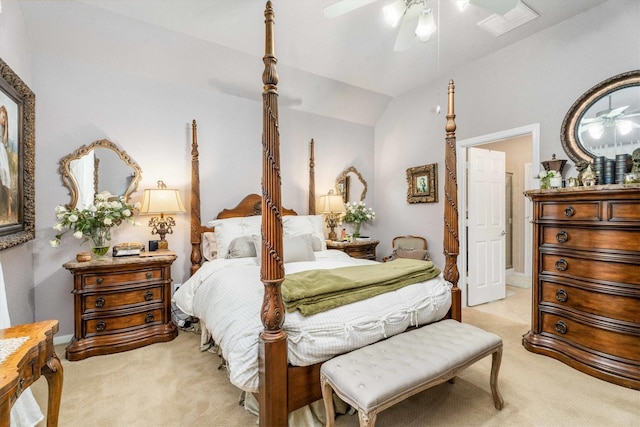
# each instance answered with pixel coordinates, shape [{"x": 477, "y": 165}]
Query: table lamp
[
  {"x": 161, "y": 201},
  {"x": 332, "y": 207}
]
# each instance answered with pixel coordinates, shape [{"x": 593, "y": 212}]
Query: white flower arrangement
[
  {"x": 357, "y": 213},
  {"x": 98, "y": 218}
]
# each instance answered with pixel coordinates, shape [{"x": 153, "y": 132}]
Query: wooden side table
[
  {"x": 34, "y": 357},
  {"x": 120, "y": 304},
  {"x": 365, "y": 249}
]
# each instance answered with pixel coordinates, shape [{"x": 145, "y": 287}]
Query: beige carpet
[{"x": 173, "y": 384}]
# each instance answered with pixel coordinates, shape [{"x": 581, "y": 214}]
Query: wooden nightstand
[
  {"x": 365, "y": 249},
  {"x": 120, "y": 304}
]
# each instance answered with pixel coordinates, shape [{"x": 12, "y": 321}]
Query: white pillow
[
  {"x": 209, "y": 246},
  {"x": 226, "y": 230},
  {"x": 296, "y": 248},
  {"x": 242, "y": 247},
  {"x": 298, "y": 225}
]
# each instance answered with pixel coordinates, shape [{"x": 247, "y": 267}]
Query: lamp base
[
  {"x": 333, "y": 235},
  {"x": 163, "y": 245}
]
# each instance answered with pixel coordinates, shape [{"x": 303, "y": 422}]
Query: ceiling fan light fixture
[
  {"x": 462, "y": 4},
  {"x": 596, "y": 130},
  {"x": 426, "y": 26},
  {"x": 394, "y": 12},
  {"x": 624, "y": 127}
]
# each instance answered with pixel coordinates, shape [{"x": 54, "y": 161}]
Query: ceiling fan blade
[
  {"x": 496, "y": 6},
  {"x": 344, "y": 6},
  {"x": 617, "y": 112},
  {"x": 407, "y": 31}
]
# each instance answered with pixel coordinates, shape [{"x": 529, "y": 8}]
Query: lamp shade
[
  {"x": 332, "y": 203},
  {"x": 161, "y": 201}
]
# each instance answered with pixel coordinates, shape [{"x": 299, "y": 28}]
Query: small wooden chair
[{"x": 408, "y": 247}]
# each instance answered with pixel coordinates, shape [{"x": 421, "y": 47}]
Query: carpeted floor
[{"x": 173, "y": 384}]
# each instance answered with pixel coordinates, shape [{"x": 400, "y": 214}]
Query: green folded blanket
[{"x": 315, "y": 291}]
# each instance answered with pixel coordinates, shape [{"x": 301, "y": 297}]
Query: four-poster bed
[{"x": 284, "y": 387}]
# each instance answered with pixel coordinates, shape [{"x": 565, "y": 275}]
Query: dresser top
[
  {"x": 118, "y": 261},
  {"x": 578, "y": 190}
]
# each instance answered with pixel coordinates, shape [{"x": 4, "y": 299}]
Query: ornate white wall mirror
[
  {"x": 351, "y": 185},
  {"x": 605, "y": 120},
  {"x": 98, "y": 167}
]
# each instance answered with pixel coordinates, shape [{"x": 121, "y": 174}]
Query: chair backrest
[{"x": 409, "y": 242}]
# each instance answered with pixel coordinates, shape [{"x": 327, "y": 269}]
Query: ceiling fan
[
  {"x": 617, "y": 117},
  {"x": 414, "y": 17}
]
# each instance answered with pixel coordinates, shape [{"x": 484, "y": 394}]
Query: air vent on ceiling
[{"x": 500, "y": 24}]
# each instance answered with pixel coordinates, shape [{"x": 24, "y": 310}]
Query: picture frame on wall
[
  {"x": 423, "y": 184},
  {"x": 17, "y": 159}
]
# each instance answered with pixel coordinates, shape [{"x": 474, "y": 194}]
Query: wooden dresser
[
  {"x": 120, "y": 304},
  {"x": 586, "y": 280},
  {"x": 365, "y": 249}
]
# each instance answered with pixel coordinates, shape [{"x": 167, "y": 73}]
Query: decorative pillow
[
  {"x": 226, "y": 230},
  {"x": 242, "y": 247},
  {"x": 298, "y": 225},
  {"x": 209, "y": 246},
  {"x": 296, "y": 248}
]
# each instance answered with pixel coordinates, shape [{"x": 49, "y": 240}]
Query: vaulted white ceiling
[{"x": 351, "y": 56}]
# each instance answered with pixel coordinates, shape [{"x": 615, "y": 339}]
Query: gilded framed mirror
[
  {"x": 98, "y": 167},
  {"x": 605, "y": 120},
  {"x": 351, "y": 185}
]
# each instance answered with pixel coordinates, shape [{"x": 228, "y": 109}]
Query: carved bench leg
[
  {"x": 367, "y": 420},
  {"x": 327, "y": 398},
  {"x": 496, "y": 359}
]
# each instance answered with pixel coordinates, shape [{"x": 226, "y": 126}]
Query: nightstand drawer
[
  {"x": 115, "y": 324},
  {"x": 123, "y": 277},
  {"x": 116, "y": 300}
]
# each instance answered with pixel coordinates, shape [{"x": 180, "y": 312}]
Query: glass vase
[
  {"x": 100, "y": 238},
  {"x": 356, "y": 229}
]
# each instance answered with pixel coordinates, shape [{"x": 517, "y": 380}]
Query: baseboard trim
[{"x": 62, "y": 339}]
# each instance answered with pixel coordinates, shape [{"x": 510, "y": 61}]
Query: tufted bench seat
[{"x": 375, "y": 377}]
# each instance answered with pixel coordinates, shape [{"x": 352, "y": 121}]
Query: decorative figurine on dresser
[{"x": 120, "y": 304}]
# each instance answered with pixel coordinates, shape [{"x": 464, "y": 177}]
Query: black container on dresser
[
  {"x": 120, "y": 304},
  {"x": 586, "y": 280}
]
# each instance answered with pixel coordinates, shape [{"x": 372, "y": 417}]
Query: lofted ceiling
[{"x": 351, "y": 54}]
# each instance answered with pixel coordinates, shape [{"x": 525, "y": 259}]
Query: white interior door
[
  {"x": 486, "y": 248},
  {"x": 528, "y": 217}
]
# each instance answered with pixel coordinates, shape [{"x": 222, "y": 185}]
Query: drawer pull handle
[
  {"x": 100, "y": 302},
  {"x": 148, "y": 296},
  {"x": 562, "y": 236},
  {"x": 569, "y": 212},
  {"x": 148, "y": 318},
  {"x": 561, "y": 295},
  {"x": 99, "y": 280},
  {"x": 149, "y": 275},
  {"x": 561, "y": 327},
  {"x": 101, "y": 326},
  {"x": 561, "y": 265}
]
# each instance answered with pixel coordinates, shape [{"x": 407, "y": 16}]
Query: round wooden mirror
[
  {"x": 351, "y": 185},
  {"x": 98, "y": 167},
  {"x": 605, "y": 121}
]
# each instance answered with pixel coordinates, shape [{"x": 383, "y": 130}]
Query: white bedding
[{"x": 226, "y": 295}]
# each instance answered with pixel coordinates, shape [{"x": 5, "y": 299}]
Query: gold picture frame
[
  {"x": 423, "y": 184},
  {"x": 17, "y": 126}
]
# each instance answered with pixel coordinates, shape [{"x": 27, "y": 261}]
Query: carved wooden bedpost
[
  {"x": 273, "y": 340},
  {"x": 312, "y": 180},
  {"x": 451, "y": 239},
  {"x": 196, "y": 232}
]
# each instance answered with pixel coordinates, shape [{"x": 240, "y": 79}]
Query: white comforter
[{"x": 226, "y": 295}]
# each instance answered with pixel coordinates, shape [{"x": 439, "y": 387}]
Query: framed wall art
[
  {"x": 17, "y": 159},
  {"x": 423, "y": 184}
]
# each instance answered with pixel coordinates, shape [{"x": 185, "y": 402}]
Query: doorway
[{"x": 500, "y": 141}]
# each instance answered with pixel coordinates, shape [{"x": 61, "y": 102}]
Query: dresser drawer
[
  {"x": 117, "y": 300},
  {"x": 621, "y": 211},
  {"x": 590, "y": 269},
  {"x": 122, "y": 277},
  {"x": 617, "y": 344},
  {"x": 602, "y": 304},
  {"x": 591, "y": 238},
  {"x": 578, "y": 211},
  {"x": 113, "y": 324}
]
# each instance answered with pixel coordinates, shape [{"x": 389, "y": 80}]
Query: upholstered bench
[{"x": 375, "y": 377}]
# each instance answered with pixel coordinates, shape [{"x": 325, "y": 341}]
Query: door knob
[{"x": 503, "y": 233}]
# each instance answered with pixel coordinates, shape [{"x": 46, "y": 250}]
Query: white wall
[
  {"x": 534, "y": 81},
  {"x": 17, "y": 261}
]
